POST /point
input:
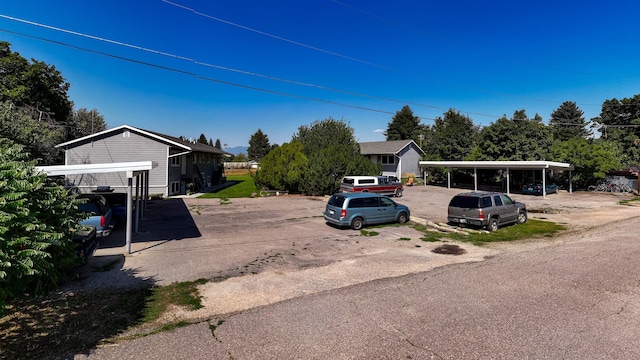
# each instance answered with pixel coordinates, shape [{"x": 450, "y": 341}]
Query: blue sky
[{"x": 229, "y": 68}]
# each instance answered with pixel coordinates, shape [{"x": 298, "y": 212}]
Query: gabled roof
[
  {"x": 386, "y": 147},
  {"x": 170, "y": 140}
]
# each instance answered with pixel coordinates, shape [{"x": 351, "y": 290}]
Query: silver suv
[{"x": 486, "y": 209}]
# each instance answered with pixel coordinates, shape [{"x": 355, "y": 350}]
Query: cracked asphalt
[{"x": 287, "y": 286}]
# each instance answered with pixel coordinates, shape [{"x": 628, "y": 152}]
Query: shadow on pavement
[{"x": 164, "y": 220}]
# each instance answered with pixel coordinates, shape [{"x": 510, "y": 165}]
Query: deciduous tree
[
  {"x": 282, "y": 168},
  {"x": 84, "y": 122},
  {"x": 592, "y": 159},
  {"x": 451, "y": 138},
  {"x": 33, "y": 83},
  {"x": 38, "y": 137},
  {"x": 37, "y": 221},
  {"x": 519, "y": 138},
  {"x": 333, "y": 153},
  {"x": 619, "y": 122}
]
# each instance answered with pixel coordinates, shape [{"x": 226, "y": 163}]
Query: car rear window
[
  {"x": 336, "y": 200},
  {"x": 348, "y": 181},
  {"x": 89, "y": 208},
  {"x": 461, "y": 201}
]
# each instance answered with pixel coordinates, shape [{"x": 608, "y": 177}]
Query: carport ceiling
[{"x": 523, "y": 165}]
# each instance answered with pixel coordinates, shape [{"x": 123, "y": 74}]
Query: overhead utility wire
[
  {"x": 157, "y": 52},
  {"x": 345, "y": 56},
  {"x": 183, "y": 72},
  {"x": 461, "y": 45}
]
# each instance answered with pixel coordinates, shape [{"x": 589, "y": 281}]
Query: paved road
[{"x": 573, "y": 297}]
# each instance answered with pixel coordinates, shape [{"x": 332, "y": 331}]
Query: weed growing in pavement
[
  {"x": 633, "y": 201},
  {"x": 368, "y": 233},
  {"x": 181, "y": 294},
  {"x": 404, "y": 239}
]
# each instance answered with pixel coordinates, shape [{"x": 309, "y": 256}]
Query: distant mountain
[{"x": 237, "y": 150}]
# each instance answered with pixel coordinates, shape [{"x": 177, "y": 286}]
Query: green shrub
[{"x": 37, "y": 222}]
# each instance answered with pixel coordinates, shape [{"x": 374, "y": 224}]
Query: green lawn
[{"x": 244, "y": 187}]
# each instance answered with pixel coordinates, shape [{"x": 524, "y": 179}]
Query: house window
[
  {"x": 175, "y": 161},
  {"x": 388, "y": 159},
  {"x": 175, "y": 187}
]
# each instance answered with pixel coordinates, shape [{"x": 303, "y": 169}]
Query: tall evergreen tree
[
  {"x": 203, "y": 140},
  {"x": 218, "y": 145},
  {"x": 404, "y": 126},
  {"x": 258, "y": 146},
  {"x": 567, "y": 122}
]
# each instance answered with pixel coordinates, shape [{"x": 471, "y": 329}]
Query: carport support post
[
  {"x": 137, "y": 202},
  {"x": 544, "y": 183},
  {"x": 508, "y": 180},
  {"x": 129, "y": 211},
  {"x": 475, "y": 179}
]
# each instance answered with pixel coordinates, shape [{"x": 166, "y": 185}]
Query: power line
[
  {"x": 219, "y": 67},
  {"x": 465, "y": 46},
  {"x": 183, "y": 72},
  {"x": 264, "y": 33}
]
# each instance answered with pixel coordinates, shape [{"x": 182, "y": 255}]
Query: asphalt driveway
[{"x": 286, "y": 285}]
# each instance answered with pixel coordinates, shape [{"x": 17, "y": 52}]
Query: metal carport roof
[
  {"x": 505, "y": 165},
  {"x": 132, "y": 169}
]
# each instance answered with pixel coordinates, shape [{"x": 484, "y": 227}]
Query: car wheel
[
  {"x": 493, "y": 224},
  {"x": 357, "y": 223},
  {"x": 402, "y": 218},
  {"x": 398, "y": 193},
  {"x": 522, "y": 217}
]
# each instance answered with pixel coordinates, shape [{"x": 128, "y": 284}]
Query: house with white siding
[
  {"x": 398, "y": 158},
  {"x": 179, "y": 165}
]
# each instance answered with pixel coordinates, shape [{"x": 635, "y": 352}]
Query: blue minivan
[{"x": 356, "y": 210}]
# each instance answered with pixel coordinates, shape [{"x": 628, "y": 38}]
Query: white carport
[
  {"x": 499, "y": 165},
  {"x": 138, "y": 170}
]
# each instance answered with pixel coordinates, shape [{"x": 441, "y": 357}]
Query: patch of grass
[
  {"x": 63, "y": 324},
  {"x": 632, "y": 201},
  {"x": 181, "y": 294},
  {"x": 243, "y": 187},
  {"x": 404, "y": 239},
  {"x": 368, "y": 233},
  {"x": 531, "y": 229}
]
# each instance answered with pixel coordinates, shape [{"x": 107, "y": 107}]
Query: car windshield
[{"x": 464, "y": 202}]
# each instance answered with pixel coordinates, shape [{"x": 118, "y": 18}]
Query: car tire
[
  {"x": 357, "y": 223},
  {"x": 398, "y": 193},
  {"x": 402, "y": 218},
  {"x": 492, "y": 225},
  {"x": 522, "y": 217}
]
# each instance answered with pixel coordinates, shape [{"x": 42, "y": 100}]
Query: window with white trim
[{"x": 175, "y": 161}]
